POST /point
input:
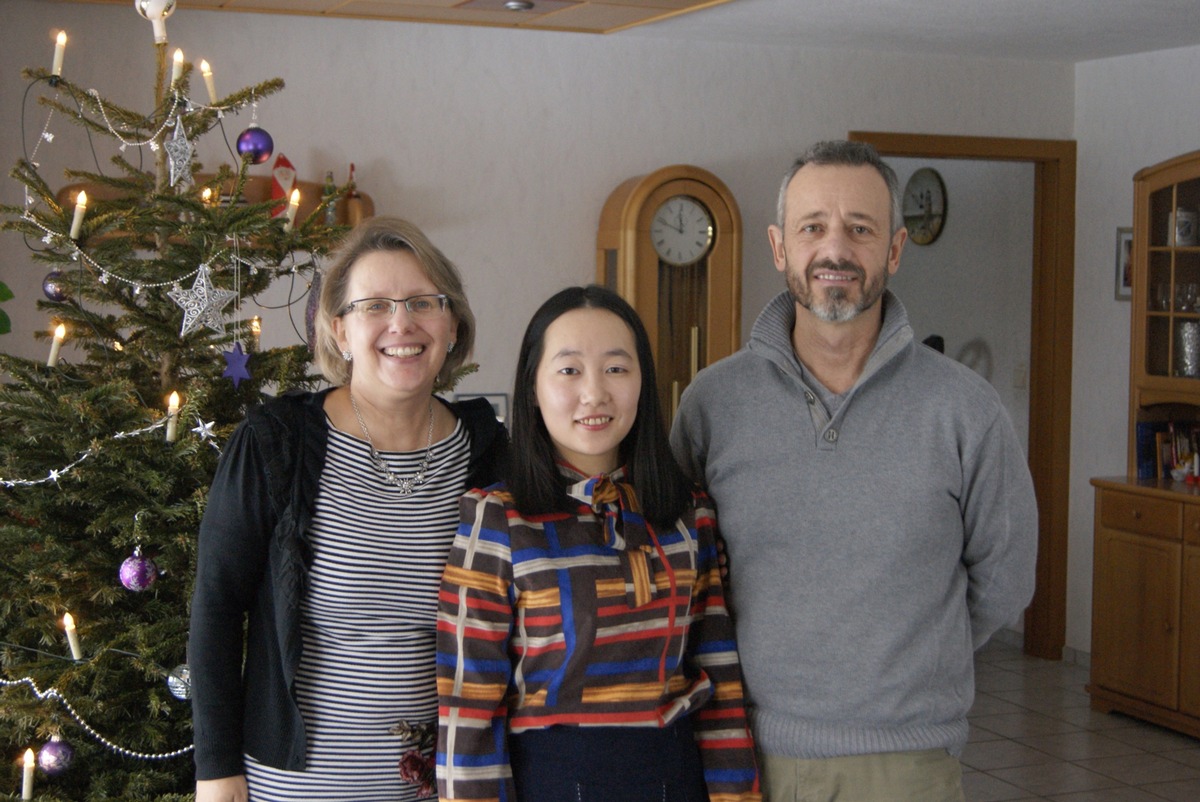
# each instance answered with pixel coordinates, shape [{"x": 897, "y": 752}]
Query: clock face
[
  {"x": 924, "y": 206},
  {"x": 681, "y": 230}
]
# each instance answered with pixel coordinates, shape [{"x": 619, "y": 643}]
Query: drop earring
[{"x": 450, "y": 348}]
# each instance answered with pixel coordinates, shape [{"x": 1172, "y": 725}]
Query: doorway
[{"x": 1050, "y": 348}]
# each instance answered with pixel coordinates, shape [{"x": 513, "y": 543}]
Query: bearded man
[{"x": 877, "y": 507}]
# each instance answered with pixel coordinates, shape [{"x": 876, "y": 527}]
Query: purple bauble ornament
[
  {"x": 138, "y": 572},
  {"x": 255, "y": 143},
  {"x": 54, "y": 287},
  {"x": 55, "y": 757}
]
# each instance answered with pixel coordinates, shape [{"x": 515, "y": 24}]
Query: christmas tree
[{"x": 108, "y": 448}]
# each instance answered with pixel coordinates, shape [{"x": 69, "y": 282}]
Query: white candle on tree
[
  {"x": 177, "y": 67},
  {"x": 173, "y": 418},
  {"x": 27, "y": 777},
  {"x": 206, "y": 71},
  {"x": 293, "y": 207},
  {"x": 60, "y": 333},
  {"x": 72, "y": 637},
  {"x": 80, "y": 211},
  {"x": 60, "y": 47}
]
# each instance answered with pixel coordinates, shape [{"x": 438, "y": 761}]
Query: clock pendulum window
[{"x": 670, "y": 244}]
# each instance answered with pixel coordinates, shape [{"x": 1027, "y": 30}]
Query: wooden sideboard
[{"x": 1146, "y": 601}]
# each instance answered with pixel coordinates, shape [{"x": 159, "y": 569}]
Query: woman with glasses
[{"x": 327, "y": 527}]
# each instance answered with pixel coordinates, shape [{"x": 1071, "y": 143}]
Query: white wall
[
  {"x": 972, "y": 285},
  {"x": 503, "y": 145},
  {"x": 1130, "y": 112}
]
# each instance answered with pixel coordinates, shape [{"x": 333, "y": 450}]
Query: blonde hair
[{"x": 388, "y": 234}]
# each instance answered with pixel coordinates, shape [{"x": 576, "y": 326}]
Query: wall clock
[
  {"x": 681, "y": 230},
  {"x": 670, "y": 243},
  {"x": 924, "y": 206}
]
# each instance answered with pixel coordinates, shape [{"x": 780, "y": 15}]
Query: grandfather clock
[{"x": 670, "y": 243}]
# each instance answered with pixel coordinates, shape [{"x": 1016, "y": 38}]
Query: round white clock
[
  {"x": 681, "y": 230},
  {"x": 924, "y": 206}
]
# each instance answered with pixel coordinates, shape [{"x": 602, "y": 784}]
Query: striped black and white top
[{"x": 369, "y": 621}]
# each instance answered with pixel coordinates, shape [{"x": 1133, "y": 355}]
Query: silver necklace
[{"x": 405, "y": 485}]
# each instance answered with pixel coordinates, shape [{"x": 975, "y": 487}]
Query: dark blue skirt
[{"x": 608, "y": 764}]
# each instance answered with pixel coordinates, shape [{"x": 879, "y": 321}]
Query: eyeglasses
[{"x": 415, "y": 305}]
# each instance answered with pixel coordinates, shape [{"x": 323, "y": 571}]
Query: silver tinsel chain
[{"x": 55, "y": 694}]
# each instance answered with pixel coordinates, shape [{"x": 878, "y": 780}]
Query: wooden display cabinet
[{"x": 1146, "y": 563}]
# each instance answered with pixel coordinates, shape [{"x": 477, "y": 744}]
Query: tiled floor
[{"x": 1034, "y": 736}]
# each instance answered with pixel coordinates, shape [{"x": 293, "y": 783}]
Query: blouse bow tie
[{"x": 615, "y": 504}]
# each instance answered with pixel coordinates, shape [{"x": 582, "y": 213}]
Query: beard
[{"x": 836, "y": 305}]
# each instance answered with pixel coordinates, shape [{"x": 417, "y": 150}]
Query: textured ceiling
[
  {"x": 586, "y": 16},
  {"x": 1053, "y": 30}
]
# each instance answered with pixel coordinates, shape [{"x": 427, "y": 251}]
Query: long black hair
[{"x": 534, "y": 479}]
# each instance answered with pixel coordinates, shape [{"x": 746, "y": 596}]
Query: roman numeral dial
[{"x": 681, "y": 230}]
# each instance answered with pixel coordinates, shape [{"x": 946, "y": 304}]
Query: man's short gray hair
[{"x": 848, "y": 154}]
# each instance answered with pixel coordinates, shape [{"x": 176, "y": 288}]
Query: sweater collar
[{"x": 771, "y": 336}]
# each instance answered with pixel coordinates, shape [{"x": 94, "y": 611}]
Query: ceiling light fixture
[{"x": 519, "y": 5}]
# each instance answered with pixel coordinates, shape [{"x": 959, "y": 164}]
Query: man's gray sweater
[{"x": 873, "y": 547}]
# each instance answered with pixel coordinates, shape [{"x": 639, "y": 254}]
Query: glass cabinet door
[{"x": 1173, "y": 282}]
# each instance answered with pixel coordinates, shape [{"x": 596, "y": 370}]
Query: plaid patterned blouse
[{"x": 587, "y": 618}]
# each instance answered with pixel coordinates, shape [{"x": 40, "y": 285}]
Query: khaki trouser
[{"x": 927, "y": 776}]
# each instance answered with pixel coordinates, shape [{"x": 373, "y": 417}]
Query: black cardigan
[{"x": 252, "y": 558}]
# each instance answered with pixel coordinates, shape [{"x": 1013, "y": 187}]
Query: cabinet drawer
[{"x": 1145, "y": 515}]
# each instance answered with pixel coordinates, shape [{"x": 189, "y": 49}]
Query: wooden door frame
[{"x": 1049, "y": 352}]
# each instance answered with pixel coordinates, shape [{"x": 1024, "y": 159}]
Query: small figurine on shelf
[
  {"x": 355, "y": 210},
  {"x": 330, "y": 199}
]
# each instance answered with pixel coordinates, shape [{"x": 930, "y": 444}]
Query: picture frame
[
  {"x": 499, "y": 402},
  {"x": 1124, "y": 264}
]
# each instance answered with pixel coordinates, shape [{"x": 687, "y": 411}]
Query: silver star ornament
[
  {"x": 179, "y": 151},
  {"x": 202, "y": 304},
  {"x": 204, "y": 429}
]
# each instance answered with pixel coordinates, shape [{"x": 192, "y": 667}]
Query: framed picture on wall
[{"x": 1124, "y": 263}]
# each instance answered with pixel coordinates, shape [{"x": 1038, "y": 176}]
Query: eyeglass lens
[{"x": 414, "y": 305}]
